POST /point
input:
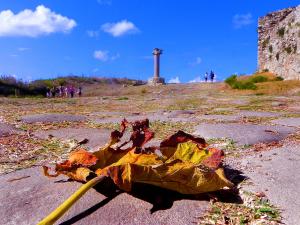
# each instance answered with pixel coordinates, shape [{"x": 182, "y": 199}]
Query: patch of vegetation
[
  {"x": 281, "y": 32},
  {"x": 279, "y": 78},
  {"x": 295, "y": 48},
  {"x": 259, "y": 94},
  {"x": 185, "y": 104},
  {"x": 277, "y": 56},
  {"x": 258, "y": 79},
  {"x": 122, "y": 98},
  {"x": 254, "y": 210},
  {"x": 165, "y": 129},
  {"x": 271, "y": 49},
  {"x": 144, "y": 91},
  {"x": 234, "y": 83},
  {"x": 10, "y": 86},
  {"x": 266, "y": 42},
  {"x": 288, "y": 50}
]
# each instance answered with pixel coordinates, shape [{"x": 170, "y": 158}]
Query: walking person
[
  {"x": 53, "y": 92},
  {"x": 212, "y": 76},
  {"x": 79, "y": 91},
  {"x": 72, "y": 91}
]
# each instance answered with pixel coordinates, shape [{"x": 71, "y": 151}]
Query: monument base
[{"x": 156, "y": 81}]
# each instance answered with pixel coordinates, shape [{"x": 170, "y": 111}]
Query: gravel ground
[
  {"x": 276, "y": 173},
  {"x": 244, "y": 134},
  {"x": 96, "y": 137},
  {"x": 48, "y": 118},
  {"x": 291, "y": 122},
  {"x": 6, "y": 129}
]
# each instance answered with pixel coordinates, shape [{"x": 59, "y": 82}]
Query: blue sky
[{"x": 115, "y": 38}]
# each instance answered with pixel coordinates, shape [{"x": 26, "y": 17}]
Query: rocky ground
[{"x": 260, "y": 135}]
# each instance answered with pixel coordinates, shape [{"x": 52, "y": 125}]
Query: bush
[
  {"x": 241, "y": 85},
  {"x": 244, "y": 85},
  {"x": 281, "y": 32},
  {"x": 258, "y": 79},
  {"x": 279, "y": 78},
  {"x": 231, "y": 80}
]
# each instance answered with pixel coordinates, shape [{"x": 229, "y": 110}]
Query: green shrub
[
  {"x": 288, "y": 49},
  {"x": 266, "y": 42},
  {"x": 279, "y": 78},
  {"x": 258, "y": 79},
  {"x": 122, "y": 98},
  {"x": 231, "y": 80},
  {"x": 271, "y": 49},
  {"x": 241, "y": 85},
  {"x": 244, "y": 85},
  {"x": 281, "y": 32}
]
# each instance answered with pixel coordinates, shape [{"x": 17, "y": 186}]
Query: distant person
[
  {"x": 206, "y": 76},
  {"x": 212, "y": 76},
  {"x": 66, "y": 91},
  {"x": 79, "y": 91},
  {"x": 48, "y": 94},
  {"x": 61, "y": 91},
  {"x": 53, "y": 92},
  {"x": 72, "y": 91}
]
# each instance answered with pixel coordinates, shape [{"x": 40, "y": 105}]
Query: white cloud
[
  {"x": 174, "y": 80},
  {"x": 196, "y": 80},
  {"x": 120, "y": 28},
  {"x": 101, "y": 55},
  {"x": 104, "y": 2},
  {"x": 23, "y": 49},
  {"x": 241, "y": 20},
  {"x": 197, "y": 61},
  {"x": 30, "y": 23},
  {"x": 104, "y": 56},
  {"x": 93, "y": 33},
  {"x": 114, "y": 57}
]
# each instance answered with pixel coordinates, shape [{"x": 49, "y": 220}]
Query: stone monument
[
  {"x": 279, "y": 43},
  {"x": 156, "y": 77}
]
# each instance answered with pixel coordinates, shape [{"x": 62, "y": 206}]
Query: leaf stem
[{"x": 59, "y": 211}]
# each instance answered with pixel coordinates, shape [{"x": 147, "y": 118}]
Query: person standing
[
  {"x": 72, "y": 91},
  {"x": 79, "y": 91},
  {"x": 212, "y": 76},
  {"x": 206, "y": 76}
]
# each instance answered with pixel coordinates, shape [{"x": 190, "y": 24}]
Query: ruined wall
[{"x": 279, "y": 43}]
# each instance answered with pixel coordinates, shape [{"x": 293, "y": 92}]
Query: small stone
[{"x": 260, "y": 194}]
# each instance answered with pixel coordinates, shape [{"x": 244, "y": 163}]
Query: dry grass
[
  {"x": 279, "y": 87},
  {"x": 269, "y": 75},
  {"x": 287, "y": 87}
]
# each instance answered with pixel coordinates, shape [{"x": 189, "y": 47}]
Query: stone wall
[{"x": 279, "y": 43}]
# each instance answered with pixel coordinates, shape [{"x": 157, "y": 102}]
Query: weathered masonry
[{"x": 279, "y": 43}]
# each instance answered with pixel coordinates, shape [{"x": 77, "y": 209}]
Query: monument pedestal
[{"x": 156, "y": 81}]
